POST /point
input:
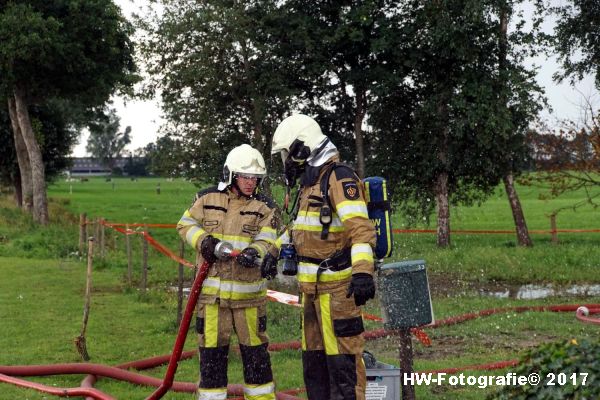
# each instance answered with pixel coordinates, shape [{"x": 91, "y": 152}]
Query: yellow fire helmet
[{"x": 244, "y": 160}]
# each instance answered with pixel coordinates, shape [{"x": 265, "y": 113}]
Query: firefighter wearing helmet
[
  {"x": 233, "y": 296},
  {"x": 333, "y": 240}
]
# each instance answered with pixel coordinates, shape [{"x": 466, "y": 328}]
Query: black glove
[
  {"x": 363, "y": 288},
  {"x": 268, "y": 268},
  {"x": 248, "y": 257},
  {"x": 207, "y": 248}
]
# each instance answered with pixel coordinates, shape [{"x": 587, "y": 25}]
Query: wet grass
[
  {"x": 42, "y": 280},
  {"x": 42, "y": 302},
  {"x": 483, "y": 258}
]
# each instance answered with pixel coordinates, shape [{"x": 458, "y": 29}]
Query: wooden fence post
[
  {"x": 144, "y": 264},
  {"x": 102, "y": 243},
  {"x": 180, "y": 282},
  {"x": 553, "y": 229},
  {"x": 406, "y": 364},
  {"x": 97, "y": 234},
  {"x": 82, "y": 233},
  {"x": 129, "y": 263},
  {"x": 80, "y": 341}
]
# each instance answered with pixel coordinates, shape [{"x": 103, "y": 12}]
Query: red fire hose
[
  {"x": 583, "y": 312},
  {"x": 168, "y": 381},
  {"x": 182, "y": 334},
  {"x": 116, "y": 372},
  {"x": 61, "y": 392},
  {"x": 96, "y": 369}
]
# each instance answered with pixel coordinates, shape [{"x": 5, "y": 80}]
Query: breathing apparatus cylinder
[{"x": 379, "y": 208}]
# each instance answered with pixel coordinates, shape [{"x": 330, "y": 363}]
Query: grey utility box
[
  {"x": 383, "y": 382},
  {"x": 404, "y": 294}
]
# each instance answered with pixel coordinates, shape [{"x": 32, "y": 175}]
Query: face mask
[
  {"x": 292, "y": 169},
  {"x": 294, "y": 162}
]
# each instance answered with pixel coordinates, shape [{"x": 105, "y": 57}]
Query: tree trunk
[
  {"x": 361, "y": 109},
  {"x": 26, "y": 201},
  {"x": 523, "y": 238},
  {"x": 441, "y": 184},
  {"x": 443, "y": 210},
  {"x": 513, "y": 198},
  {"x": 18, "y": 190},
  {"x": 258, "y": 141},
  {"x": 38, "y": 177},
  {"x": 503, "y": 39}
]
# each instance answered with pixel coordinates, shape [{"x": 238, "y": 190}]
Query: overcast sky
[{"x": 144, "y": 117}]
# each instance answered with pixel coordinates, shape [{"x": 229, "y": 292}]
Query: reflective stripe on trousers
[
  {"x": 215, "y": 325},
  {"x": 332, "y": 345}
]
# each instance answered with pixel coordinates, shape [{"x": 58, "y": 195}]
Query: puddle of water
[
  {"x": 186, "y": 290},
  {"x": 525, "y": 292},
  {"x": 532, "y": 292}
]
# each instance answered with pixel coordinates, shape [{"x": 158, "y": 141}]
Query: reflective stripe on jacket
[
  {"x": 350, "y": 228},
  {"x": 241, "y": 221}
]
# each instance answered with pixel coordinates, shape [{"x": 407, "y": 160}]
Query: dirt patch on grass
[
  {"x": 448, "y": 347},
  {"x": 448, "y": 285}
]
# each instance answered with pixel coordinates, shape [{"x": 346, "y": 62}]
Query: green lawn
[
  {"x": 42, "y": 281},
  {"x": 483, "y": 258},
  {"x": 43, "y": 301}
]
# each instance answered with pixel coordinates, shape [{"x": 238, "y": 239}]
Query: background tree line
[{"x": 435, "y": 94}]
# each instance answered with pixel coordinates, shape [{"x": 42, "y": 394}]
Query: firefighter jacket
[
  {"x": 241, "y": 221},
  {"x": 351, "y": 232}
]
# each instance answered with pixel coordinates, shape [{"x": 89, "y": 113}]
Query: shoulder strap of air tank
[{"x": 325, "y": 215}]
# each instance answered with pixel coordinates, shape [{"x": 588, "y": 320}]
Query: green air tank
[{"x": 404, "y": 293}]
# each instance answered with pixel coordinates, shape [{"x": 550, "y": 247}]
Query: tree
[
  {"x": 577, "y": 40},
  {"x": 220, "y": 80},
  {"x": 9, "y": 168},
  {"x": 138, "y": 162},
  {"x": 78, "y": 50},
  {"x": 58, "y": 134},
  {"x": 105, "y": 142},
  {"x": 166, "y": 157},
  {"x": 346, "y": 49},
  {"x": 449, "y": 145},
  {"x": 521, "y": 100},
  {"x": 24, "y": 188},
  {"x": 569, "y": 159}
]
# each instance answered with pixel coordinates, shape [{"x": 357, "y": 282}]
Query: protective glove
[
  {"x": 207, "y": 248},
  {"x": 363, "y": 288},
  {"x": 268, "y": 268},
  {"x": 248, "y": 257}
]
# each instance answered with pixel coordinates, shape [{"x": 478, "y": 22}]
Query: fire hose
[
  {"x": 225, "y": 250},
  {"x": 375, "y": 334},
  {"x": 118, "y": 372},
  {"x": 167, "y": 381},
  {"x": 583, "y": 313}
]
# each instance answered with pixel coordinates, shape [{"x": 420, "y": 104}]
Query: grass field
[{"x": 42, "y": 281}]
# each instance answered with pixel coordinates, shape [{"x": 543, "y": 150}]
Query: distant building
[{"x": 89, "y": 166}]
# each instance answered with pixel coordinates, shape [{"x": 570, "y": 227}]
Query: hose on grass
[{"x": 582, "y": 314}]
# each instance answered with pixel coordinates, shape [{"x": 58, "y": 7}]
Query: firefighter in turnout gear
[
  {"x": 233, "y": 296},
  {"x": 333, "y": 240}
]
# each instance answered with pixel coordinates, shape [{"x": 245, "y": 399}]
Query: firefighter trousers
[
  {"x": 332, "y": 347},
  {"x": 215, "y": 325}
]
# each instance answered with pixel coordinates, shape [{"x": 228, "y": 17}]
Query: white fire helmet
[
  {"x": 297, "y": 127},
  {"x": 244, "y": 160}
]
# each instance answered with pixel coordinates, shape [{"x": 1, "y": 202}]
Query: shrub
[{"x": 572, "y": 359}]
